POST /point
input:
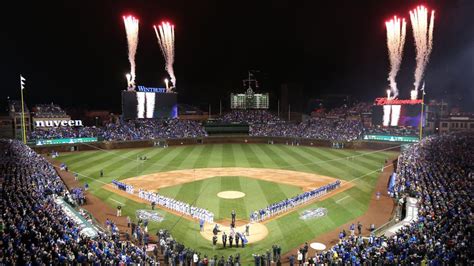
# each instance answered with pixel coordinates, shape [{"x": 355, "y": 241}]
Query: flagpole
[{"x": 22, "y": 112}]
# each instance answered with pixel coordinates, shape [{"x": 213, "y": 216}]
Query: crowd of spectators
[
  {"x": 439, "y": 171},
  {"x": 48, "y": 111},
  {"x": 65, "y": 132},
  {"x": 249, "y": 117},
  {"x": 35, "y": 230},
  {"x": 177, "y": 254},
  {"x": 316, "y": 128},
  {"x": 140, "y": 129},
  {"x": 331, "y": 126},
  {"x": 392, "y": 131},
  {"x": 348, "y": 110}
]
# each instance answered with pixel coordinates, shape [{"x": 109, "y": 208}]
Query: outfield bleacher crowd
[
  {"x": 48, "y": 111},
  {"x": 338, "y": 124},
  {"x": 314, "y": 128},
  {"x": 127, "y": 130},
  {"x": 35, "y": 230}
]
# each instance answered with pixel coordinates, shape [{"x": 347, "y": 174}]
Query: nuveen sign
[{"x": 59, "y": 123}]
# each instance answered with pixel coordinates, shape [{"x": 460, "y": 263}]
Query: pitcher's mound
[{"x": 229, "y": 194}]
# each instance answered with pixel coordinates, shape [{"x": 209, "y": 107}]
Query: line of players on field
[{"x": 287, "y": 204}]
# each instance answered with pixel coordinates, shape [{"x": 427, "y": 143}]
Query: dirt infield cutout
[
  {"x": 258, "y": 231},
  {"x": 230, "y": 194},
  {"x": 307, "y": 181}
]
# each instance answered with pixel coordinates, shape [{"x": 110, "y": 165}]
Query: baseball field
[{"x": 241, "y": 177}]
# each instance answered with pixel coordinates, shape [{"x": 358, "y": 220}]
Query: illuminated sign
[
  {"x": 391, "y": 138},
  {"x": 149, "y": 89},
  {"x": 40, "y": 142},
  {"x": 385, "y": 101},
  {"x": 58, "y": 123}
]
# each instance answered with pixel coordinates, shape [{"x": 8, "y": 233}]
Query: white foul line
[
  {"x": 118, "y": 202},
  {"x": 337, "y": 201}
]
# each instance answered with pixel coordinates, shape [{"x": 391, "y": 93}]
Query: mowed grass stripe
[
  {"x": 86, "y": 162},
  {"x": 192, "y": 157},
  {"x": 174, "y": 163},
  {"x": 78, "y": 156},
  {"x": 353, "y": 168},
  {"x": 90, "y": 167},
  {"x": 345, "y": 166},
  {"x": 203, "y": 157},
  {"x": 251, "y": 156},
  {"x": 228, "y": 159},
  {"x": 368, "y": 163},
  {"x": 356, "y": 163},
  {"x": 154, "y": 160},
  {"x": 240, "y": 157},
  {"x": 208, "y": 196},
  {"x": 299, "y": 161},
  {"x": 136, "y": 168},
  {"x": 231, "y": 183},
  {"x": 120, "y": 165},
  {"x": 264, "y": 160},
  {"x": 278, "y": 161},
  {"x": 320, "y": 165}
]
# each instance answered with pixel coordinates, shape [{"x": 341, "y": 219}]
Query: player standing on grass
[
  {"x": 233, "y": 214},
  {"x": 201, "y": 225},
  {"x": 224, "y": 239}
]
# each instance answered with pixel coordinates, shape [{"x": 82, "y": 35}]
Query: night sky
[{"x": 74, "y": 53}]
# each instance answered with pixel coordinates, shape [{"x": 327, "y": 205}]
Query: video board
[{"x": 140, "y": 104}]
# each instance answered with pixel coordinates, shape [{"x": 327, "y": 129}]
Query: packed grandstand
[
  {"x": 36, "y": 230},
  {"x": 261, "y": 123}
]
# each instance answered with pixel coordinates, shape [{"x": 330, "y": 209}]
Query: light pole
[{"x": 23, "y": 126}]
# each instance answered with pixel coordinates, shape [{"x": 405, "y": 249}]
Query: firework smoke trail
[
  {"x": 165, "y": 36},
  {"x": 131, "y": 28},
  {"x": 396, "y": 31},
  {"x": 423, "y": 35}
]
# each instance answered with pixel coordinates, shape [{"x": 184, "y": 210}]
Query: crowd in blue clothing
[
  {"x": 35, "y": 230},
  {"x": 287, "y": 204},
  {"x": 439, "y": 171},
  {"x": 139, "y": 129},
  {"x": 78, "y": 195}
]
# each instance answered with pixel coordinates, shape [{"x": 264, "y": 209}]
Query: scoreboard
[
  {"x": 249, "y": 101},
  {"x": 149, "y": 104}
]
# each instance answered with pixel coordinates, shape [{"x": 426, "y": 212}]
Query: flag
[{"x": 22, "y": 82}]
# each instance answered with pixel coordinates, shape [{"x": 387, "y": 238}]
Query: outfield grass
[{"x": 287, "y": 231}]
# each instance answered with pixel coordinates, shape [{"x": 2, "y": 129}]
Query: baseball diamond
[{"x": 266, "y": 173}]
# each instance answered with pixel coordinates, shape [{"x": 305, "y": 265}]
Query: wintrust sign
[{"x": 59, "y": 123}]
